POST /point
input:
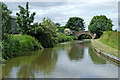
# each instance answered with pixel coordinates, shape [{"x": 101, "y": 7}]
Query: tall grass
[
  {"x": 111, "y": 38},
  {"x": 18, "y": 45}
]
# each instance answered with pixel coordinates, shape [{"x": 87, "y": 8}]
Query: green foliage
[
  {"x": 1, "y": 59},
  {"x": 61, "y": 29},
  {"x": 24, "y": 19},
  {"x": 45, "y": 32},
  {"x": 18, "y": 45},
  {"x": 111, "y": 38},
  {"x": 61, "y": 37},
  {"x": 57, "y": 24},
  {"x": 6, "y": 20},
  {"x": 75, "y": 23},
  {"x": 99, "y": 24}
]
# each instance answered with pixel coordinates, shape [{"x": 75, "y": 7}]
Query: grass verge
[
  {"x": 111, "y": 38},
  {"x": 104, "y": 47}
]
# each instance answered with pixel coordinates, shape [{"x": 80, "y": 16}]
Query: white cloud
[
  {"x": 61, "y": 11},
  {"x": 60, "y": 0}
]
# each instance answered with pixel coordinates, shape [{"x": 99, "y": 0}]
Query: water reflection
[
  {"x": 95, "y": 58},
  {"x": 46, "y": 61},
  {"x": 76, "y": 53},
  {"x": 29, "y": 65},
  {"x": 57, "y": 61}
]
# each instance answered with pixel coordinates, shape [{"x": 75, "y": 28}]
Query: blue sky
[{"x": 61, "y": 11}]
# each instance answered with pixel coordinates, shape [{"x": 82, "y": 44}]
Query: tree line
[
  {"x": 24, "y": 20},
  {"x": 32, "y": 36}
]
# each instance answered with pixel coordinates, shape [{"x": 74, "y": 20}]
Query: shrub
[
  {"x": 1, "y": 59},
  {"x": 61, "y": 29},
  {"x": 67, "y": 31},
  {"x": 61, "y": 37},
  {"x": 18, "y": 45},
  {"x": 45, "y": 33}
]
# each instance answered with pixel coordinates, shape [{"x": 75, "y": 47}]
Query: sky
[{"x": 61, "y": 11}]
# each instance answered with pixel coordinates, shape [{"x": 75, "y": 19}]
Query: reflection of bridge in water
[{"x": 78, "y": 33}]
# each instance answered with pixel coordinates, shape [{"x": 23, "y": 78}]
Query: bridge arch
[
  {"x": 78, "y": 33},
  {"x": 84, "y": 36}
]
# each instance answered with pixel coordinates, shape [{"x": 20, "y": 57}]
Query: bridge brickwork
[{"x": 78, "y": 33}]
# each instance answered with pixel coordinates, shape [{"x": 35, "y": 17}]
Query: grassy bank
[
  {"x": 108, "y": 43},
  {"x": 110, "y": 38},
  {"x": 18, "y": 45},
  {"x": 104, "y": 47}
]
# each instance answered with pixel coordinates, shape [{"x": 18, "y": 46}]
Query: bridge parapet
[{"x": 78, "y": 33}]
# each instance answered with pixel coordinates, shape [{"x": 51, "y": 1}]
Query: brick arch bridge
[{"x": 78, "y": 33}]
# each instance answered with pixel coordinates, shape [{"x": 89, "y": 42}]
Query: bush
[
  {"x": 67, "y": 31},
  {"x": 61, "y": 37},
  {"x": 61, "y": 29},
  {"x": 45, "y": 33},
  {"x": 1, "y": 59},
  {"x": 18, "y": 45}
]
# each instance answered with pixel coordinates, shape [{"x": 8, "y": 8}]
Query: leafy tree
[
  {"x": 57, "y": 24},
  {"x": 99, "y": 24},
  {"x": 6, "y": 20},
  {"x": 75, "y": 23},
  {"x": 45, "y": 32},
  {"x": 24, "y": 20}
]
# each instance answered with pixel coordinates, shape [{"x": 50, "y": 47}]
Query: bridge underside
[
  {"x": 84, "y": 36},
  {"x": 79, "y": 33}
]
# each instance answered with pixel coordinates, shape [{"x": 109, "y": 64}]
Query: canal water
[{"x": 66, "y": 60}]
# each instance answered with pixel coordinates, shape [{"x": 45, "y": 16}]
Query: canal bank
[{"x": 106, "y": 51}]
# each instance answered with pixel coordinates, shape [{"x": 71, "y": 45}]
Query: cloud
[
  {"x": 59, "y": 0},
  {"x": 61, "y": 11}
]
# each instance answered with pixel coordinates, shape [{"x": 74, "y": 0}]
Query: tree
[
  {"x": 6, "y": 20},
  {"x": 24, "y": 19},
  {"x": 99, "y": 24},
  {"x": 57, "y": 24},
  {"x": 75, "y": 23},
  {"x": 45, "y": 32}
]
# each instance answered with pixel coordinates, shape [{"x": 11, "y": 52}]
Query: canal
[{"x": 66, "y": 60}]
